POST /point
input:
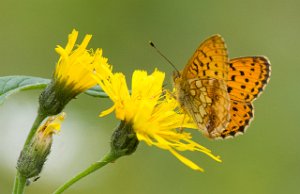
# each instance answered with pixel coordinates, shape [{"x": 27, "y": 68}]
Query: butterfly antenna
[{"x": 153, "y": 45}]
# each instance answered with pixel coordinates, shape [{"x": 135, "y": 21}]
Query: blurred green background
[{"x": 264, "y": 160}]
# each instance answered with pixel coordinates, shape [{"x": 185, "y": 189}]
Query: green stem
[
  {"x": 19, "y": 185},
  {"x": 20, "y": 181},
  {"x": 95, "y": 166},
  {"x": 16, "y": 185},
  {"x": 38, "y": 120}
]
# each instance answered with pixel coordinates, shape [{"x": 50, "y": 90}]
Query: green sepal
[{"x": 123, "y": 140}]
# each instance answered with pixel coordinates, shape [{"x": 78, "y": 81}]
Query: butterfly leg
[{"x": 181, "y": 129}]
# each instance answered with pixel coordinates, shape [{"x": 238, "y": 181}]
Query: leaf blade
[{"x": 12, "y": 84}]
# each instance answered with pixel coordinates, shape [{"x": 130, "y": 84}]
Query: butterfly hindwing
[
  {"x": 247, "y": 77},
  {"x": 241, "y": 114}
]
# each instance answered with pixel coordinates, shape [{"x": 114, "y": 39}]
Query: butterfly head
[
  {"x": 177, "y": 81},
  {"x": 176, "y": 76}
]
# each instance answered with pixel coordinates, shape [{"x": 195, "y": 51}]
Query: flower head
[
  {"x": 151, "y": 113},
  {"x": 73, "y": 74},
  {"x": 75, "y": 65},
  {"x": 33, "y": 156}
]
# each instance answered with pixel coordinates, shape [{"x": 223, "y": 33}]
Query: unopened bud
[{"x": 34, "y": 155}]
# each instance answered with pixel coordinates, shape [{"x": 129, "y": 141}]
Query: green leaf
[
  {"x": 12, "y": 84},
  {"x": 96, "y": 92}
]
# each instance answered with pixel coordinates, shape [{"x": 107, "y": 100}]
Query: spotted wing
[
  {"x": 202, "y": 87},
  {"x": 241, "y": 114},
  {"x": 247, "y": 77},
  {"x": 210, "y": 60},
  {"x": 207, "y": 103}
]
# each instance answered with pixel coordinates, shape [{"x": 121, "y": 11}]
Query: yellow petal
[
  {"x": 108, "y": 111},
  {"x": 186, "y": 161}
]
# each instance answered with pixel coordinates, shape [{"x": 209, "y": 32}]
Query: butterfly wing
[
  {"x": 247, "y": 77},
  {"x": 241, "y": 114},
  {"x": 201, "y": 88},
  {"x": 210, "y": 60}
]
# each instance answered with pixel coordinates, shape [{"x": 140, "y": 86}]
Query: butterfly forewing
[
  {"x": 202, "y": 90},
  {"x": 208, "y": 61}
]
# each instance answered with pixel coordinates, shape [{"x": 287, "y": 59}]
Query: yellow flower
[
  {"x": 73, "y": 74},
  {"x": 75, "y": 65},
  {"x": 151, "y": 113}
]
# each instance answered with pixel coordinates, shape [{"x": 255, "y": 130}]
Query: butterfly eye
[{"x": 176, "y": 74}]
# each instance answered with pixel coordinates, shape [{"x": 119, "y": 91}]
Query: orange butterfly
[{"x": 218, "y": 93}]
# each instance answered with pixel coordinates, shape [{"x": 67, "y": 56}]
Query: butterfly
[{"x": 217, "y": 93}]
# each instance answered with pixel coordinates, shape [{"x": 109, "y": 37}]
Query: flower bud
[
  {"x": 34, "y": 155},
  {"x": 124, "y": 140}
]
